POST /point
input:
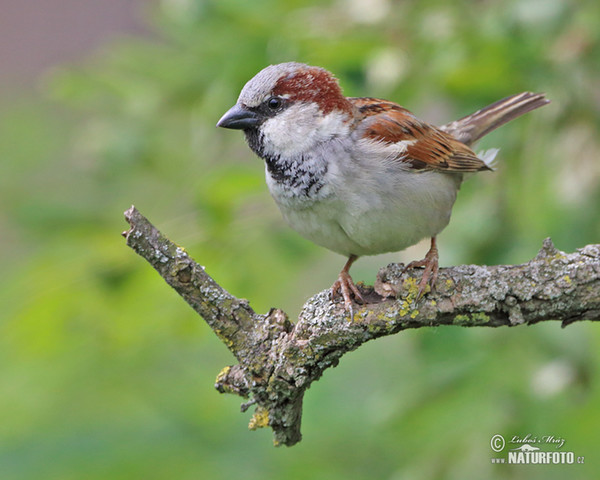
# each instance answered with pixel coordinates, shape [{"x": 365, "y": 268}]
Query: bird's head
[{"x": 288, "y": 108}]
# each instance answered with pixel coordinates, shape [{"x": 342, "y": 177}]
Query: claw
[
  {"x": 430, "y": 274},
  {"x": 346, "y": 286}
]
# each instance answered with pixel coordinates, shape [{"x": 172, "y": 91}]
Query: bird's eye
[{"x": 274, "y": 103}]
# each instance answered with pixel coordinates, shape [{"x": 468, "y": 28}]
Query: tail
[{"x": 471, "y": 128}]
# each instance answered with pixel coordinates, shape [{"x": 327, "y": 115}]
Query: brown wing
[{"x": 429, "y": 148}]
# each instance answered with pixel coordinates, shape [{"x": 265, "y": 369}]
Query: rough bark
[{"x": 278, "y": 359}]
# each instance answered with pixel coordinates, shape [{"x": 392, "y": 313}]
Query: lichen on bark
[{"x": 278, "y": 360}]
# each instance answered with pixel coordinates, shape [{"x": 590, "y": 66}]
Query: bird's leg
[
  {"x": 430, "y": 262},
  {"x": 345, "y": 284}
]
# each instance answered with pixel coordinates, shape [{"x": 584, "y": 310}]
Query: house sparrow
[{"x": 360, "y": 176}]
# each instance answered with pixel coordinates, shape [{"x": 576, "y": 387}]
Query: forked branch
[{"x": 278, "y": 359}]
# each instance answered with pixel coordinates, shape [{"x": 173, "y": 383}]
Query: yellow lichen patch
[
  {"x": 411, "y": 288},
  {"x": 404, "y": 308},
  {"x": 555, "y": 257},
  {"x": 222, "y": 374},
  {"x": 375, "y": 320},
  {"x": 260, "y": 419}
]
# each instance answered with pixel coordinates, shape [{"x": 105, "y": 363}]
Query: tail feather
[{"x": 471, "y": 128}]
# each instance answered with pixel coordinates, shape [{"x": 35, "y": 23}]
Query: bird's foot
[
  {"x": 346, "y": 286},
  {"x": 431, "y": 264}
]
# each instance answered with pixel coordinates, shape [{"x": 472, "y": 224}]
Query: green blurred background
[{"x": 106, "y": 374}]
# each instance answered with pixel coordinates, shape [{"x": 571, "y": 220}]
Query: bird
[{"x": 361, "y": 175}]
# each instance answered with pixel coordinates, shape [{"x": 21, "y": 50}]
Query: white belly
[{"x": 372, "y": 214}]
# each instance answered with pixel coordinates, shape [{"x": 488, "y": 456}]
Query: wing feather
[{"x": 425, "y": 147}]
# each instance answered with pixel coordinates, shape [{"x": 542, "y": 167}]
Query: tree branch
[{"x": 278, "y": 360}]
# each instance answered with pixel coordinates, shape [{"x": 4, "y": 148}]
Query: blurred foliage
[{"x": 106, "y": 373}]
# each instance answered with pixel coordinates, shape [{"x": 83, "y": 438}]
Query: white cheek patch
[{"x": 299, "y": 128}]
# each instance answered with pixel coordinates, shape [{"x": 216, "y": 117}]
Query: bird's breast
[{"x": 355, "y": 206}]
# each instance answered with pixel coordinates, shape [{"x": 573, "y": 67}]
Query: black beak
[{"x": 238, "y": 118}]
